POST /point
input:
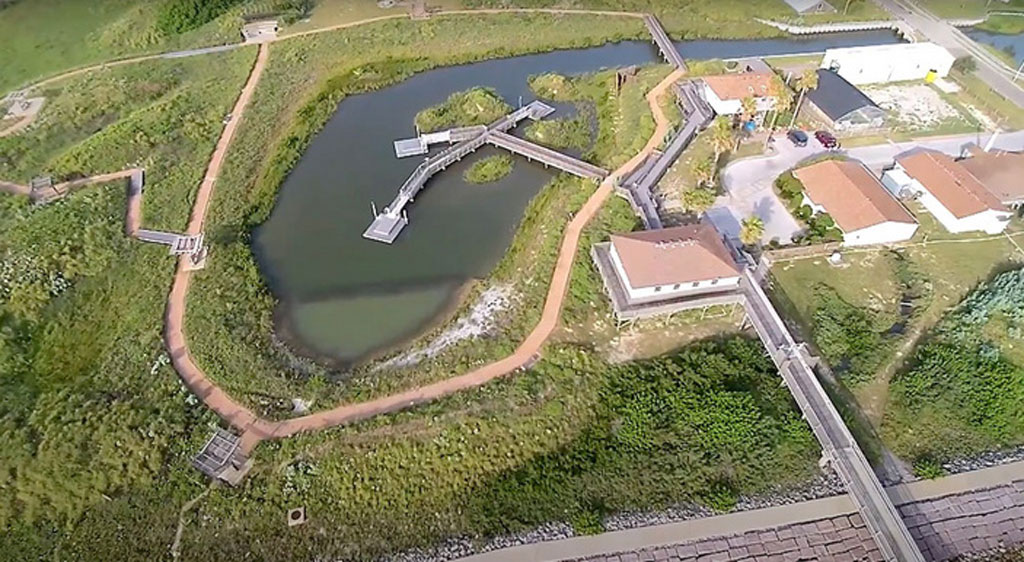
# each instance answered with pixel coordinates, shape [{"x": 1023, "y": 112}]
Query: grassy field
[
  {"x": 948, "y": 268},
  {"x": 92, "y": 408},
  {"x": 969, "y": 9},
  {"x": 490, "y": 169},
  {"x": 45, "y": 37},
  {"x": 961, "y": 391}
]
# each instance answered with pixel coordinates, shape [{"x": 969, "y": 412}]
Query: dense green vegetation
[
  {"x": 490, "y": 169},
  {"x": 287, "y": 112},
  {"x": 476, "y": 106},
  {"x": 91, "y": 407},
  {"x": 565, "y": 132},
  {"x": 963, "y": 391},
  {"x": 848, "y": 336},
  {"x": 178, "y": 16},
  {"x": 821, "y": 227}
]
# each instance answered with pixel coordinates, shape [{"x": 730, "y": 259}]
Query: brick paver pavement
[{"x": 944, "y": 528}]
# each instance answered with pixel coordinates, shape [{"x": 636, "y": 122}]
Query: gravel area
[
  {"x": 985, "y": 460},
  {"x": 915, "y": 105}
]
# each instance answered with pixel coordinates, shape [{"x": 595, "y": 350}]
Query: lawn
[
  {"x": 948, "y": 268},
  {"x": 92, "y": 409},
  {"x": 46, "y": 37}
]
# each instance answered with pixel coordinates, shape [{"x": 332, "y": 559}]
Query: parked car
[
  {"x": 798, "y": 138},
  {"x": 827, "y": 139}
]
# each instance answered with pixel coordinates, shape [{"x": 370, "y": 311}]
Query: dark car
[
  {"x": 827, "y": 139},
  {"x": 798, "y": 138}
]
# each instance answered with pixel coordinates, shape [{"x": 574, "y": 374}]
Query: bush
[
  {"x": 490, "y": 169},
  {"x": 477, "y": 106},
  {"x": 179, "y": 16},
  {"x": 928, "y": 468},
  {"x": 846, "y": 335}
]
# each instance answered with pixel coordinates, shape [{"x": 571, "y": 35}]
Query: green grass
[
  {"x": 92, "y": 409},
  {"x": 961, "y": 392},
  {"x": 570, "y": 440},
  {"x": 477, "y": 106},
  {"x": 565, "y": 132},
  {"x": 490, "y": 169},
  {"x": 45, "y": 37},
  {"x": 1006, "y": 24}
]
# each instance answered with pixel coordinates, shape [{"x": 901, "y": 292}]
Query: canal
[{"x": 345, "y": 298}]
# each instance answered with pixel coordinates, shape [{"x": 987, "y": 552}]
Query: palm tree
[
  {"x": 783, "y": 102},
  {"x": 698, "y": 199},
  {"x": 749, "y": 106},
  {"x": 806, "y": 81},
  {"x": 752, "y": 230},
  {"x": 704, "y": 171},
  {"x": 721, "y": 136}
]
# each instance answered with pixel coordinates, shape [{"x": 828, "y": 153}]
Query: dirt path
[
  {"x": 527, "y": 351},
  {"x": 174, "y": 320},
  {"x": 255, "y": 429}
]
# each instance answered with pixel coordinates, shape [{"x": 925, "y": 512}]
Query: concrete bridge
[
  {"x": 838, "y": 445},
  {"x": 664, "y": 42}
]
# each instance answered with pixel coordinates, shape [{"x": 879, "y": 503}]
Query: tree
[
  {"x": 751, "y": 231},
  {"x": 721, "y": 136},
  {"x": 778, "y": 90},
  {"x": 704, "y": 171},
  {"x": 965, "y": 64},
  {"x": 698, "y": 200},
  {"x": 749, "y": 107},
  {"x": 806, "y": 81}
]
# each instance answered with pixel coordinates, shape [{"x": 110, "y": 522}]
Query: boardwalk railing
[
  {"x": 838, "y": 444},
  {"x": 664, "y": 42},
  {"x": 546, "y": 156}
]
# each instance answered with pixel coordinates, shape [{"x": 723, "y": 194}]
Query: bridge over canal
[{"x": 664, "y": 42}]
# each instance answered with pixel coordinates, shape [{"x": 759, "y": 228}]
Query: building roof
[
  {"x": 920, "y": 49},
  {"x": 837, "y": 98},
  {"x": 1000, "y": 171},
  {"x": 956, "y": 189},
  {"x": 741, "y": 85},
  {"x": 668, "y": 256},
  {"x": 851, "y": 194},
  {"x": 804, "y": 6}
]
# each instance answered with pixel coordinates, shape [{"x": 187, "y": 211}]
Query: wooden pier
[{"x": 387, "y": 224}]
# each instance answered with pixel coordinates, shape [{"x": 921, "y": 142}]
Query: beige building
[
  {"x": 860, "y": 205},
  {"x": 669, "y": 265},
  {"x": 950, "y": 192}
]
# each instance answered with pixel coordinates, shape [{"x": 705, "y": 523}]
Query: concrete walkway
[{"x": 734, "y": 523}]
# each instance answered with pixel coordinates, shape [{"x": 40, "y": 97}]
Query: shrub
[
  {"x": 490, "y": 169},
  {"x": 179, "y": 16},
  {"x": 476, "y": 106}
]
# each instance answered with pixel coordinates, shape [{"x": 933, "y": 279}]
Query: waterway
[
  {"x": 1012, "y": 44},
  {"x": 345, "y": 298}
]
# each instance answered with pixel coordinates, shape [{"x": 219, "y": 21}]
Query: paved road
[
  {"x": 748, "y": 182},
  {"x": 990, "y": 69}
]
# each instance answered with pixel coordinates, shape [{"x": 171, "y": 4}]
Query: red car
[{"x": 827, "y": 139}]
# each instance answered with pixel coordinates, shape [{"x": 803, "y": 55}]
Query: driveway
[{"x": 748, "y": 182}]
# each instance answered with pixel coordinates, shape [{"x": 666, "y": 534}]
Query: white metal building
[
  {"x": 952, "y": 195},
  {"x": 899, "y": 62}
]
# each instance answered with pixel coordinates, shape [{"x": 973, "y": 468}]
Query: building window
[
  {"x": 675, "y": 287},
  {"x": 657, "y": 289},
  {"x": 695, "y": 283},
  {"x": 714, "y": 281}
]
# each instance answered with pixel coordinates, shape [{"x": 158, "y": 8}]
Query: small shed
[
  {"x": 222, "y": 458},
  {"x": 842, "y": 105},
  {"x": 259, "y": 31}
]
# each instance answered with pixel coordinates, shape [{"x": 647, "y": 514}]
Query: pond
[
  {"x": 1012, "y": 44},
  {"x": 344, "y": 298}
]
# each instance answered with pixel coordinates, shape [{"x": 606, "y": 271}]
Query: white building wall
[
  {"x": 884, "y": 233},
  {"x": 989, "y": 221},
  {"x": 667, "y": 291},
  {"x": 889, "y": 63},
  {"x": 815, "y": 208},
  {"x": 721, "y": 107}
]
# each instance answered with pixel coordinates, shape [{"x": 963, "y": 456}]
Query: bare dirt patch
[{"x": 915, "y": 105}]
